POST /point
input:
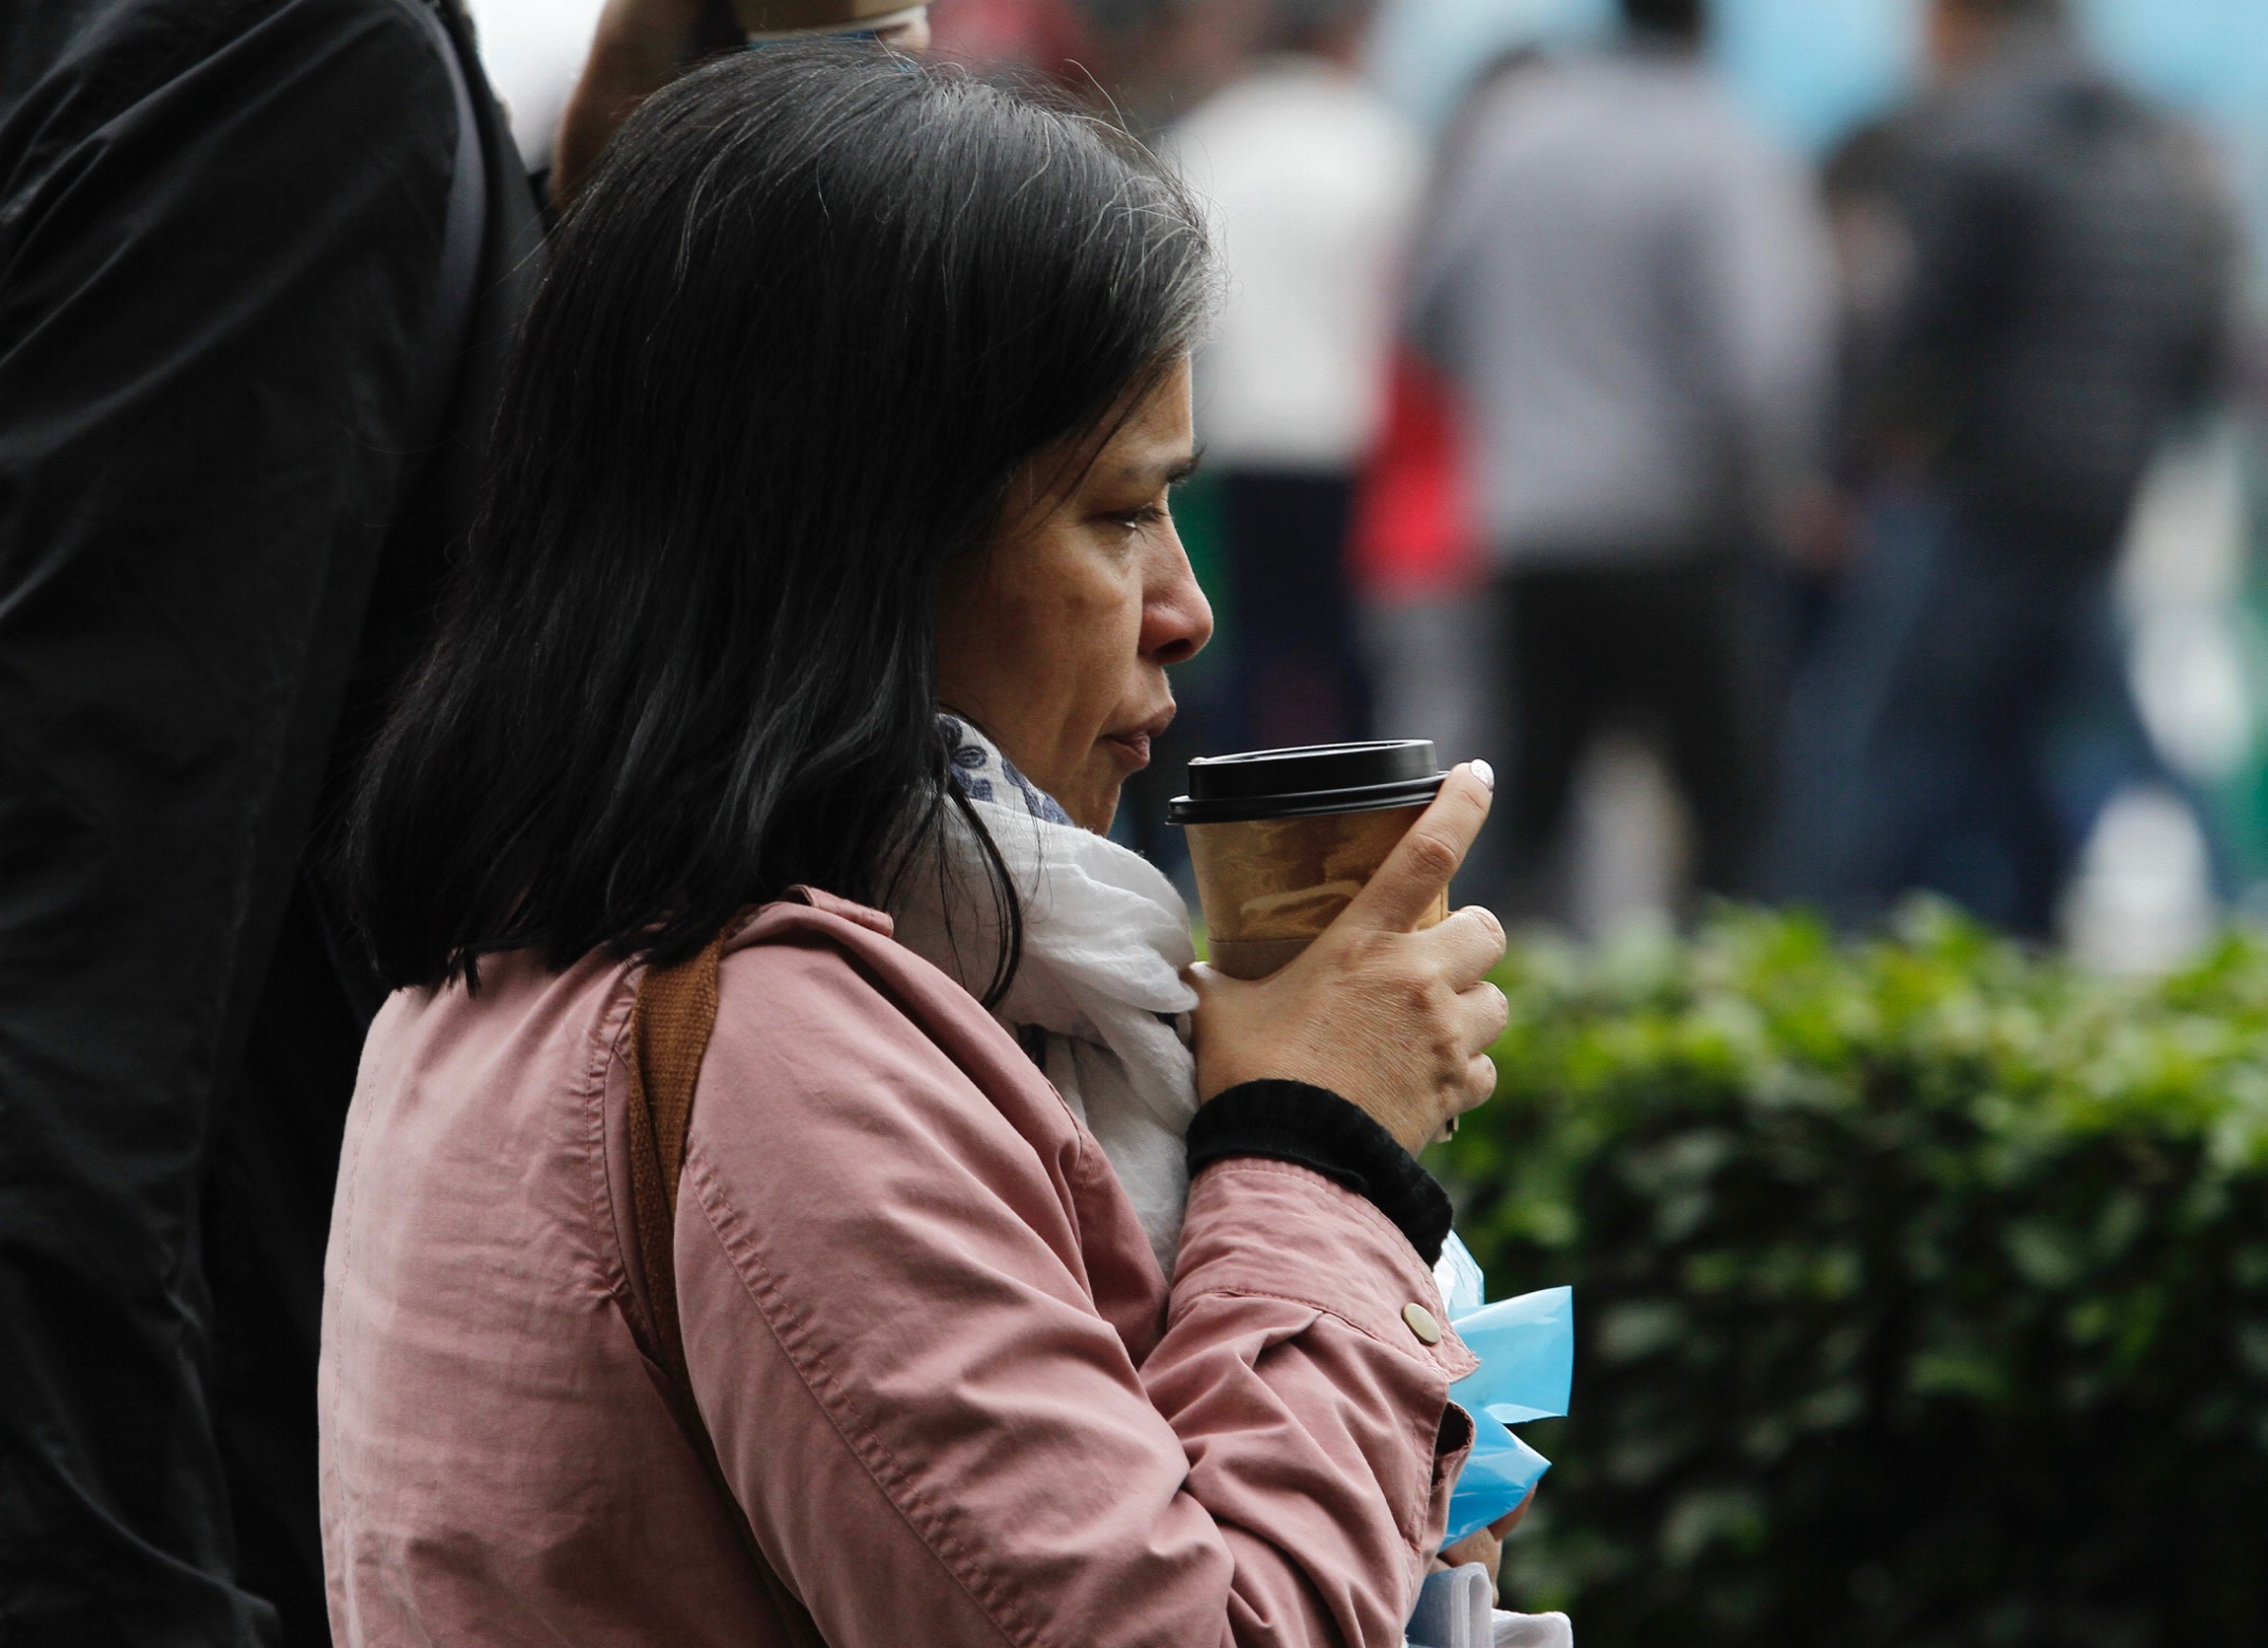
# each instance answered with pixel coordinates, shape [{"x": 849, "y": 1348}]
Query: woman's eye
[{"x": 1134, "y": 520}]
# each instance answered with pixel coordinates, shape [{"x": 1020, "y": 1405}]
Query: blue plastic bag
[
  {"x": 1500, "y": 1472},
  {"x": 1457, "y": 1273},
  {"x": 1527, "y": 1351}
]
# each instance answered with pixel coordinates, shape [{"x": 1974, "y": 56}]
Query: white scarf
[{"x": 1098, "y": 1000}]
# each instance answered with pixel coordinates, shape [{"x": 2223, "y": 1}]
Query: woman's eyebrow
[{"x": 1162, "y": 471}]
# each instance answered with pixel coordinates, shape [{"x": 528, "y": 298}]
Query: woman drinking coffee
[{"x": 717, "y": 1260}]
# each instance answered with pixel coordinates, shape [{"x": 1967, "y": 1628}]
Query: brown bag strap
[{"x": 670, "y": 1027}]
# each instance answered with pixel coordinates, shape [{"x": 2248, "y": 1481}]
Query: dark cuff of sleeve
[{"x": 1291, "y": 1122}]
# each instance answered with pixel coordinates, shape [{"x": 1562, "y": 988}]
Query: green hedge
[{"x": 1921, "y": 1288}]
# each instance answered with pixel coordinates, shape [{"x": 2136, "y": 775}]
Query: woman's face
[{"x": 1057, "y": 641}]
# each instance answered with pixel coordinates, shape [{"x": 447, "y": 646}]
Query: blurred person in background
[
  {"x": 1631, "y": 295},
  {"x": 257, "y": 259},
  {"x": 642, "y": 46},
  {"x": 1428, "y": 622},
  {"x": 1312, "y": 179},
  {"x": 1044, "y": 39},
  {"x": 259, "y": 262},
  {"x": 2043, "y": 269},
  {"x": 1873, "y": 258},
  {"x": 1158, "y": 59},
  {"x": 1416, "y": 556}
]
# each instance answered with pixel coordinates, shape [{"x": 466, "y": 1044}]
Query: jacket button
[{"x": 1421, "y": 1322}]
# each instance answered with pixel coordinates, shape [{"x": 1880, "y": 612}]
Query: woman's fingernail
[{"x": 1486, "y": 773}]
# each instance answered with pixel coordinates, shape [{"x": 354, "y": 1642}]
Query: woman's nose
[{"x": 1176, "y": 619}]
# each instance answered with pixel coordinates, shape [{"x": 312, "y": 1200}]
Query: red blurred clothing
[
  {"x": 1038, "y": 36},
  {"x": 1416, "y": 535}
]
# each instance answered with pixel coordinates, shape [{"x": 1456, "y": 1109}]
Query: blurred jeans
[
  {"x": 1683, "y": 650},
  {"x": 1963, "y": 720}
]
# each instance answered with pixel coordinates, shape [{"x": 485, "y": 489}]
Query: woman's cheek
[{"x": 1098, "y": 615}]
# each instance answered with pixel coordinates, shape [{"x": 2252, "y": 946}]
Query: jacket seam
[
  {"x": 1382, "y": 1340},
  {"x": 895, "y": 1482},
  {"x": 611, "y": 1195},
  {"x": 605, "y": 1256}
]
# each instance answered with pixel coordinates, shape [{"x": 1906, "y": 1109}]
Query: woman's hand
[
  {"x": 1395, "y": 1020},
  {"x": 1486, "y": 1546}
]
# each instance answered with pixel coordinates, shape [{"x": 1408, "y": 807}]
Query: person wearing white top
[
  {"x": 1311, "y": 180},
  {"x": 1631, "y": 293}
]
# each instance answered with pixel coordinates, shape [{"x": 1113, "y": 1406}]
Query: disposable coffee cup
[{"x": 1282, "y": 839}]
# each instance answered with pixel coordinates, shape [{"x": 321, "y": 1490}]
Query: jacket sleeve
[{"x": 937, "y": 1436}]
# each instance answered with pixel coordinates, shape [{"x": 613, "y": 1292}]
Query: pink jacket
[{"x": 944, "y": 1374}]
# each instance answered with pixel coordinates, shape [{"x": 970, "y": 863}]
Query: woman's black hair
[{"x": 813, "y": 310}]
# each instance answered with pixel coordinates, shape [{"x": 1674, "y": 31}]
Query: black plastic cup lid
[{"x": 1308, "y": 782}]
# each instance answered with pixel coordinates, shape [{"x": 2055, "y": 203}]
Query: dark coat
[
  {"x": 244, "y": 363},
  {"x": 2070, "y": 288}
]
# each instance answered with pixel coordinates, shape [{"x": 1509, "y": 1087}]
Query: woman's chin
[{"x": 1094, "y": 801}]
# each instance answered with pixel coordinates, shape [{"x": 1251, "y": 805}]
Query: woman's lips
[{"x": 1134, "y": 743}]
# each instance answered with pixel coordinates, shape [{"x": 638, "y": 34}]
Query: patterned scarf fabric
[
  {"x": 1098, "y": 999},
  {"x": 984, "y": 774}
]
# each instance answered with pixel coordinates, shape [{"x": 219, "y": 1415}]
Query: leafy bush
[{"x": 1921, "y": 1288}]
